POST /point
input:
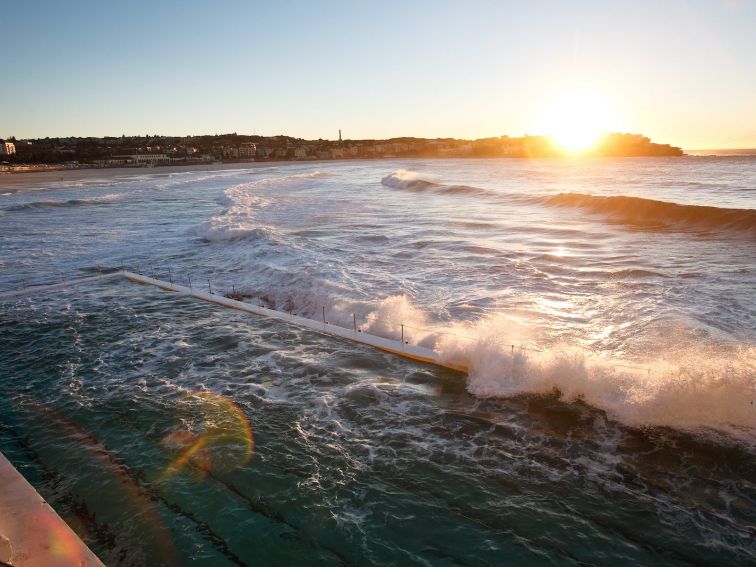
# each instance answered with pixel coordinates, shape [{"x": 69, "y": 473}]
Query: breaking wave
[
  {"x": 403, "y": 179},
  {"x": 698, "y": 388},
  {"x": 642, "y": 212},
  {"x": 414, "y": 181},
  {"x": 103, "y": 199},
  {"x": 634, "y": 211},
  {"x": 692, "y": 392},
  {"x": 238, "y": 221},
  {"x": 213, "y": 233}
]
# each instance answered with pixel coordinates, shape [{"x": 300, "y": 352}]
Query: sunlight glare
[{"x": 577, "y": 119}]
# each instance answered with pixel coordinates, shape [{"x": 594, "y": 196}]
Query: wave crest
[
  {"x": 238, "y": 221},
  {"x": 230, "y": 232},
  {"x": 414, "y": 181},
  {"x": 698, "y": 387},
  {"x": 642, "y": 212},
  {"x": 50, "y": 204},
  {"x": 692, "y": 392}
]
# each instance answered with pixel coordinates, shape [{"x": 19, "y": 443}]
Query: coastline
[
  {"x": 24, "y": 178},
  {"x": 8, "y": 180}
]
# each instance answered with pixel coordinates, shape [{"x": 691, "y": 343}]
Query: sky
[{"x": 680, "y": 71}]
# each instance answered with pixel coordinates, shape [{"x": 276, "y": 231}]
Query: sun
[{"x": 576, "y": 120}]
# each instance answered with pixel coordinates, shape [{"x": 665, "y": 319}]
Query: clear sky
[{"x": 680, "y": 71}]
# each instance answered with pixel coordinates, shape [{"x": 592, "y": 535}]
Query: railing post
[
  {"x": 402, "y": 335},
  {"x": 354, "y": 322},
  {"x": 210, "y": 289},
  {"x": 324, "y": 321},
  {"x": 190, "y": 283}
]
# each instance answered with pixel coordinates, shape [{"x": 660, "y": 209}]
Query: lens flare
[
  {"x": 65, "y": 548},
  {"x": 220, "y": 438},
  {"x": 127, "y": 489}
]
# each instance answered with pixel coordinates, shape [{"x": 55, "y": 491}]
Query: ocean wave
[
  {"x": 239, "y": 219},
  {"x": 404, "y": 179},
  {"x": 641, "y": 212},
  {"x": 694, "y": 391},
  {"x": 696, "y": 388},
  {"x": 103, "y": 199},
  {"x": 230, "y": 232},
  {"x": 414, "y": 181}
]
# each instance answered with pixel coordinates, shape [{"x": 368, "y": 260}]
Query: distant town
[{"x": 147, "y": 151}]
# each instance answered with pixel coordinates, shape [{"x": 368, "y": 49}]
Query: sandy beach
[{"x": 8, "y": 180}]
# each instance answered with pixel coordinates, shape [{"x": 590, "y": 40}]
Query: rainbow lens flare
[{"x": 219, "y": 437}]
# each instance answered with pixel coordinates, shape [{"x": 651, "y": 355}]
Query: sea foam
[
  {"x": 239, "y": 219},
  {"x": 694, "y": 388}
]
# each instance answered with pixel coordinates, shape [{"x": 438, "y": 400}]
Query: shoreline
[{"x": 24, "y": 178}]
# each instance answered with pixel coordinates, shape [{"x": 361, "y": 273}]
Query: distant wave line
[{"x": 643, "y": 212}]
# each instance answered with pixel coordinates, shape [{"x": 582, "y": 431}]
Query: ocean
[{"x": 605, "y": 308}]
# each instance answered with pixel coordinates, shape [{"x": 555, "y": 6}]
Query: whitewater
[{"x": 604, "y": 309}]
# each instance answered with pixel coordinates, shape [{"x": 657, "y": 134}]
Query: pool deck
[{"x": 31, "y": 533}]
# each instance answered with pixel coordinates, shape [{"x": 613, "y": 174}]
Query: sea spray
[
  {"x": 691, "y": 391},
  {"x": 692, "y": 388}
]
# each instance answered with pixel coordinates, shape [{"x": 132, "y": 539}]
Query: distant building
[
  {"x": 150, "y": 159},
  {"x": 300, "y": 152},
  {"x": 247, "y": 150},
  {"x": 230, "y": 152},
  {"x": 7, "y": 148},
  {"x": 114, "y": 162},
  {"x": 263, "y": 153}
]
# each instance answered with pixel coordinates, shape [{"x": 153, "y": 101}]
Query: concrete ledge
[
  {"x": 31, "y": 533},
  {"x": 417, "y": 353},
  {"x": 399, "y": 348}
]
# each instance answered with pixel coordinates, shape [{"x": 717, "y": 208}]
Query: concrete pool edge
[
  {"x": 396, "y": 347},
  {"x": 31, "y": 532}
]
